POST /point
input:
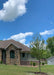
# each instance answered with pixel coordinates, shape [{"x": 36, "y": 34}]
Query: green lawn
[{"x": 18, "y": 70}]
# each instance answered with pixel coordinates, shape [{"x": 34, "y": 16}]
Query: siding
[
  {"x": 50, "y": 61},
  {"x": 28, "y": 57}
]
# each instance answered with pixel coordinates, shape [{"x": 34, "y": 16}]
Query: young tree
[
  {"x": 36, "y": 46},
  {"x": 50, "y": 44}
]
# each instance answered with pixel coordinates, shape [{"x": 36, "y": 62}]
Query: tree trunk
[{"x": 39, "y": 66}]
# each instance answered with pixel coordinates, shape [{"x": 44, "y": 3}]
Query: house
[
  {"x": 50, "y": 61},
  {"x": 14, "y": 52}
]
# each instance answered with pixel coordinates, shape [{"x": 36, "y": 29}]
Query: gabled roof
[
  {"x": 6, "y": 43},
  {"x": 50, "y": 58}
]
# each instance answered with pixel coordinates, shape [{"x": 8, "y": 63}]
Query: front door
[{"x": 4, "y": 56}]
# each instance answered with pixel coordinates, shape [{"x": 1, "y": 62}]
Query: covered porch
[{"x": 11, "y": 55}]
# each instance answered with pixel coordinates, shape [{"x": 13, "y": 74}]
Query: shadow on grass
[{"x": 38, "y": 73}]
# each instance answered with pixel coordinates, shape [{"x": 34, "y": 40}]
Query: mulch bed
[{"x": 41, "y": 73}]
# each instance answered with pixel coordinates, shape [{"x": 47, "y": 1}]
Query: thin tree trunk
[{"x": 39, "y": 66}]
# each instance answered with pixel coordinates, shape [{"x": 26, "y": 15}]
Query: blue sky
[{"x": 36, "y": 16}]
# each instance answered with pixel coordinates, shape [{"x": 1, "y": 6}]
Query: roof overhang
[{"x": 13, "y": 45}]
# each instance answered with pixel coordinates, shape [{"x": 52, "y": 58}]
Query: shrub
[
  {"x": 1, "y": 62},
  {"x": 31, "y": 63},
  {"x": 15, "y": 64},
  {"x": 34, "y": 64},
  {"x": 43, "y": 63}
]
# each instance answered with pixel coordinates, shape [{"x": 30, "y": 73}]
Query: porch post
[
  {"x": 0, "y": 55},
  {"x": 19, "y": 57},
  {"x": 7, "y": 57}
]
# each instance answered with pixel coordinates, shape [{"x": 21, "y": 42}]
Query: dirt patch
[{"x": 41, "y": 73}]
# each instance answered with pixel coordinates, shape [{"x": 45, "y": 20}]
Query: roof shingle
[{"x": 6, "y": 43}]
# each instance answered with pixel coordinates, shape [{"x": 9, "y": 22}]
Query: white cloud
[
  {"x": 27, "y": 44},
  {"x": 21, "y": 37},
  {"x": 47, "y": 32},
  {"x": 22, "y": 41},
  {"x": 12, "y": 9}
]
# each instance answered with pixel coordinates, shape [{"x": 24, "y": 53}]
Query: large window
[{"x": 12, "y": 54}]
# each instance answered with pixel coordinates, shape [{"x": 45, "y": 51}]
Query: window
[
  {"x": 23, "y": 54},
  {"x": 12, "y": 54}
]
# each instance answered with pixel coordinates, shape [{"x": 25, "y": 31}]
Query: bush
[
  {"x": 34, "y": 64},
  {"x": 43, "y": 63},
  {"x": 31, "y": 63},
  {"x": 1, "y": 62},
  {"x": 15, "y": 64}
]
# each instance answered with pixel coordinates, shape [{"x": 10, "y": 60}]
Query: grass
[{"x": 19, "y": 70}]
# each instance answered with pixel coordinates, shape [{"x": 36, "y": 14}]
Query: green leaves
[
  {"x": 36, "y": 46},
  {"x": 50, "y": 44}
]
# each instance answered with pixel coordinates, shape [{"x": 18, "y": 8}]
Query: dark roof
[
  {"x": 50, "y": 58},
  {"x": 6, "y": 43}
]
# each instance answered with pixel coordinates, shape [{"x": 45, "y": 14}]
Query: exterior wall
[
  {"x": 23, "y": 62},
  {"x": 0, "y": 55},
  {"x": 15, "y": 60},
  {"x": 50, "y": 61},
  {"x": 28, "y": 57},
  {"x": 19, "y": 60}
]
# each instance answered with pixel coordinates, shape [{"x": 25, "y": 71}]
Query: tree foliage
[
  {"x": 37, "y": 46},
  {"x": 37, "y": 49},
  {"x": 50, "y": 44},
  {"x": 46, "y": 54}
]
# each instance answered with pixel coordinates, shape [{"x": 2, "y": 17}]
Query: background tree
[
  {"x": 46, "y": 54},
  {"x": 50, "y": 44},
  {"x": 36, "y": 46}
]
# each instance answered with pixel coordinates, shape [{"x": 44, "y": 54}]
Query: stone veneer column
[
  {"x": 7, "y": 57},
  {"x": 19, "y": 57},
  {"x": 0, "y": 55}
]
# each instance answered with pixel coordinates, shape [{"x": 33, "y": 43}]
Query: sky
[{"x": 21, "y": 19}]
